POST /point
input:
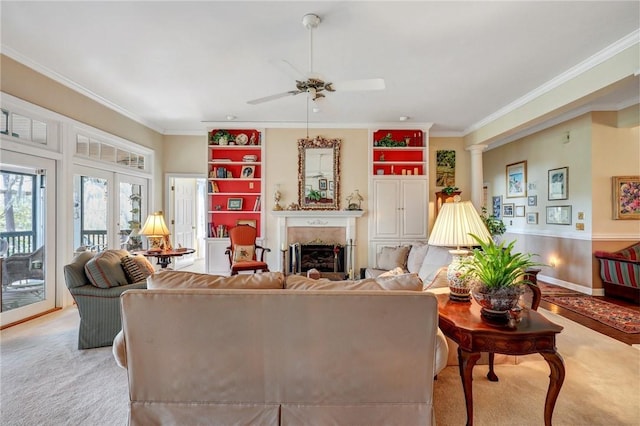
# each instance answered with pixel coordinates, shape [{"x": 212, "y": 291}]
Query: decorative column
[{"x": 477, "y": 177}]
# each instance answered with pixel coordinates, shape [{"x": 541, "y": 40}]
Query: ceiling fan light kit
[{"x": 314, "y": 84}]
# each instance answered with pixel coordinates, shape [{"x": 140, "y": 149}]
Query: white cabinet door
[
  {"x": 217, "y": 262},
  {"x": 414, "y": 207},
  {"x": 386, "y": 215}
]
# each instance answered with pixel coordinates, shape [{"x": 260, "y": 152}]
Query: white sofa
[
  {"x": 199, "y": 352},
  {"x": 417, "y": 258}
]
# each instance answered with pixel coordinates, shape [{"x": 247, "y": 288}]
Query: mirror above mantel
[{"x": 319, "y": 173}]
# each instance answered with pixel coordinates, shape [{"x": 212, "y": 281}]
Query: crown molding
[
  {"x": 596, "y": 59},
  {"x": 47, "y": 72}
]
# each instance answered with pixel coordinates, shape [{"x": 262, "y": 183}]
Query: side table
[
  {"x": 164, "y": 257},
  {"x": 462, "y": 323}
]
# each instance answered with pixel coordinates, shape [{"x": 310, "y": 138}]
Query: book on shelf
[
  {"x": 256, "y": 206},
  {"x": 215, "y": 187},
  {"x": 221, "y": 160}
]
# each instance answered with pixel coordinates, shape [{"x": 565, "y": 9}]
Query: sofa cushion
[
  {"x": 393, "y": 257},
  {"x": 169, "y": 279},
  {"x": 409, "y": 282},
  {"x": 136, "y": 268},
  {"x": 436, "y": 258},
  {"x": 104, "y": 270},
  {"x": 391, "y": 273},
  {"x": 416, "y": 256}
]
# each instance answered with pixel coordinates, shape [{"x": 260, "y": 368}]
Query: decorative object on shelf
[
  {"x": 388, "y": 141},
  {"x": 354, "y": 201},
  {"x": 558, "y": 184},
  {"x": 248, "y": 172},
  {"x": 453, "y": 228},
  {"x": 250, "y": 222},
  {"x": 221, "y": 137},
  {"x": 494, "y": 225},
  {"x": 155, "y": 229},
  {"x": 626, "y": 197},
  {"x": 496, "y": 275},
  {"x": 234, "y": 204},
  {"x": 252, "y": 139},
  {"x": 242, "y": 139},
  {"x": 516, "y": 179},
  {"x": 276, "y": 198},
  {"x": 559, "y": 215},
  {"x": 445, "y": 168}
]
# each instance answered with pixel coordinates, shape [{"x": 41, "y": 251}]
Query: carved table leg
[
  {"x": 556, "y": 378},
  {"x": 466, "y": 361},
  {"x": 491, "y": 375}
]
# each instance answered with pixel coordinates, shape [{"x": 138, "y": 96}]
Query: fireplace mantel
[{"x": 316, "y": 219}]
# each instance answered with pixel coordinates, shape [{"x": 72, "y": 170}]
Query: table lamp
[
  {"x": 155, "y": 229},
  {"x": 454, "y": 224}
]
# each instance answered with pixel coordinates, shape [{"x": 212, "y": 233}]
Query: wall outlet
[
  {"x": 250, "y": 185},
  {"x": 580, "y": 226}
]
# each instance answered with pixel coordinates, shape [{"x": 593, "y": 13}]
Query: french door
[
  {"x": 108, "y": 209},
  {"x": 27, "y": 235}
]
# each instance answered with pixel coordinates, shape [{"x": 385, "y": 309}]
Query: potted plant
[
  {"x": 496, "y": 274},
  {"x": 450, "y": 189},
  {"x": 495, "y": 226}
]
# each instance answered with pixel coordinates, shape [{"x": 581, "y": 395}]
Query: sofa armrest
[
  {"x": 90, "y": 290},
  {"x": 119, "y": 350},
  {"x": 603, "y": 255}
]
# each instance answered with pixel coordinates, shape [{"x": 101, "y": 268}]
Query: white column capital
[{"x": 476, "y": 148}]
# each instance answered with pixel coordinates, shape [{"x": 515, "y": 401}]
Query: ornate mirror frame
[{"x": 319, "y": 184}]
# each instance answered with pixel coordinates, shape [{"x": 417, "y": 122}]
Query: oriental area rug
[{"x": 618, "y": 317}]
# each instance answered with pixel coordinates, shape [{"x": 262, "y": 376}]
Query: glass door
[
  {"x": 102, "y": 221},
  {"x": 27, "y": 243}
]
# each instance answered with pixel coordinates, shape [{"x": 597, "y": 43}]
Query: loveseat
[
  {"x": 416, "y": 258},
  {"x": 620, "y": 272},
  {"x": 96, "y": 290},
  {"x": 203, "y": 349}
]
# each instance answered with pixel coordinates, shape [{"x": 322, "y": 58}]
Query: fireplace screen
[{"x": 323, "y": 257}]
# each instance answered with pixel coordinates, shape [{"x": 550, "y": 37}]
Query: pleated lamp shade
[{"x": 455, "y": 222}]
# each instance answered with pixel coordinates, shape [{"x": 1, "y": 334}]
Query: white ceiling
[{"x": 173, "y": 65}]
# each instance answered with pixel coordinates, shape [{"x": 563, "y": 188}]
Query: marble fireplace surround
[{"x": 305, "y": 226}]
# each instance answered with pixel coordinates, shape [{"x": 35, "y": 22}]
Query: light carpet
[{"x": 45, "y": 380}]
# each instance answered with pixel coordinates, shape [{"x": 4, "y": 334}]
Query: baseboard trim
[{"x": 571, "y": 286}]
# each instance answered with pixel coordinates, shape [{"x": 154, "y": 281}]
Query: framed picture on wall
[
  {"x": 532, "y": 218},
  {"x": 532, "y": 200},
  {"x": 497, "y": 206},
  {"x": 559, "y": 215},
  {"x": 626, "y": 190},
  {"x": 322, "y": 184},
  {"x": 517, "y": 179},
  {"x": 559, "y": 184},
  {"x": 507, "y": 209},
  {"x": 519, "y": 211}
]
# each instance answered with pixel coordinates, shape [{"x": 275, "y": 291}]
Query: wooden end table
[
  {"x": 164, "y": 257},
  {"x": 462, "y": 323}
]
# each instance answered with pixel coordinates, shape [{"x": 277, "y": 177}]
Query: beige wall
[
  {"x": 282, "y": 169},
  {"x": 31, "y": 86},
  {"x": 185, "y": 154},
  {"x": 596, "y": 150},
  {"x": 463, "y": 169}
]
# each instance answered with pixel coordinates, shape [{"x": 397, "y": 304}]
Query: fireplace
[
  {"x": 318, "y": 231},
  {"x": 322, "y": 257}
]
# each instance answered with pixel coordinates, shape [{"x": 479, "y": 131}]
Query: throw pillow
[
  {"x": 104, "y": 270},
  {"x": 136, "y": 268},
  {"x": 243, "y": 253},
  {"x": 391, "y": 273},
  {"x": 436, "y": 258},
  {"x": 416, "y": 257},
  {"x": 393, "y": 257}
]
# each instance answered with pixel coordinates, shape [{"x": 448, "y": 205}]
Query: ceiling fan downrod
[{"x": 311, "y": 22}]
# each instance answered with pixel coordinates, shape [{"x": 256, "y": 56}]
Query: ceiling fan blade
[
  {"x": 356, "y": 85},
  {"x": 289, "y": 69},
  {"x": 274, "y": 97}
]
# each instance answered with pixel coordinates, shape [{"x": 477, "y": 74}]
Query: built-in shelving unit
[{"x": 235, "y": 189}]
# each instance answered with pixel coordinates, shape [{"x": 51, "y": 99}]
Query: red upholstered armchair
[{"x": 243, "y": 250}]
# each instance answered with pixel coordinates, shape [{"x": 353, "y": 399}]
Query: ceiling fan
[{"x": 313, "y": 83}]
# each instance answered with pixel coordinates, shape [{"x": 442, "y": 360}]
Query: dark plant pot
[{"x": 496, "y": 304}]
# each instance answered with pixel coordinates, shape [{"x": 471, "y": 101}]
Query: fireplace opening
[{"x": 323, "y": 257}]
